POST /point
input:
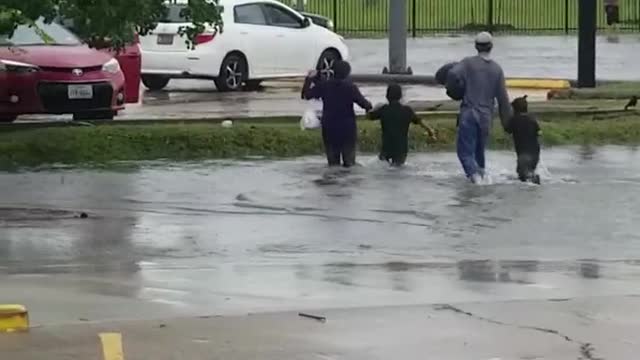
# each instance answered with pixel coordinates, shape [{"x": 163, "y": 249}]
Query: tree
[{"x": 112, "y": 22}]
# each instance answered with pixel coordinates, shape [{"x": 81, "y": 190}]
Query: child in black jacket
[
  {"x": 395, "y": 119},
  {"x": 526, "y": 131}
]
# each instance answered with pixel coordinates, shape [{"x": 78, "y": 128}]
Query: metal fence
[{"x": 370, "y": 17}]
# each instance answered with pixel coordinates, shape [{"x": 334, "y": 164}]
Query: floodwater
[
  {"x": 519, "y": 56},
  {"x": 262, "y": 235}
]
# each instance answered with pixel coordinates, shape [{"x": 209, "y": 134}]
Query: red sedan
[{"x": 47, "y": 70}]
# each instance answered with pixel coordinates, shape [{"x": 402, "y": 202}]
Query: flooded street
[
  {"x": 520, "y": 56},
  {"x": 235, "y": 237},
  {"x": 218, "y": 259}
]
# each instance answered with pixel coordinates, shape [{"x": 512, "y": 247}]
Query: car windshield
[{"x": 40, "y": 34}]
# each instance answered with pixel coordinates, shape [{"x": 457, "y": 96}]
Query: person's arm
[
  {"x": 430, "y": 131},
  {"x": 416, "y": 120},
  {"x": 503, "y": 100},
  {"x": 311, "y": 89},
  {"x": 538, "y": 130},
  {"x": 376, "y": 112},
  {"x": 509, "y": 127},
  {"x": 359, "y": 99}
]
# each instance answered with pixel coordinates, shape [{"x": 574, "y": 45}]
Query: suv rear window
[
  {"x": 173, "y": 14},
  {"x": 249, "y": 14}
]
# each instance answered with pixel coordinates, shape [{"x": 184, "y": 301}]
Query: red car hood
[{"x": 56, "y": 56}]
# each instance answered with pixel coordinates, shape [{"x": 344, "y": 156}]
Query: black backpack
[{"x": 453, "y": 84}]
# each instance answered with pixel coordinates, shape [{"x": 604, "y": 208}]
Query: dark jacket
[
  {"x": 525, "y": 131},
  {"x": 338, "y": 97}
]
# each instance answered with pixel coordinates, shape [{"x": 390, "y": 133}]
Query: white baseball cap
[{"x": 484, "y": 38}]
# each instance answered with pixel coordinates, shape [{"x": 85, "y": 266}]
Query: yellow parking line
[{"x": 112, "y": 346}]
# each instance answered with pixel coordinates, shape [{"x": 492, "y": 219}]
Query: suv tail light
[{"x": 204, "y": 38}]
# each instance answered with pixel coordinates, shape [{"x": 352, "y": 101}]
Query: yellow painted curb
[
  {"x": 13, "y": 317},
  {"x": 524, "y": 83},
  {"x": 112, "y": 346}
]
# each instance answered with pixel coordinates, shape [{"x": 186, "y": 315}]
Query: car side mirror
[{"x": 306, "y": 22}]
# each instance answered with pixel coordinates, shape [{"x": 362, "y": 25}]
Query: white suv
[{"x": 261, "y": 39}]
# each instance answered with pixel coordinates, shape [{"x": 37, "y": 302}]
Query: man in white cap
[{"x": 482, "y": 82}]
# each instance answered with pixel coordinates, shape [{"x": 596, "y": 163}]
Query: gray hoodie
[{"x": 484, "y": 83}]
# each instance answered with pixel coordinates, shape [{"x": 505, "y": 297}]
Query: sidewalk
[
  {"x": 590, "y": 328},
  {"x": 278, "y": 102}
]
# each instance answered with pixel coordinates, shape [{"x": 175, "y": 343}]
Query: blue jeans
[{"x": 471, "y": 142}]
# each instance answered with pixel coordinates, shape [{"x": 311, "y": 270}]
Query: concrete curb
[
  {"x": 429, "y": 80},
  {"x": 515, "y": 83},
  {"x": 425, "y": 113}
]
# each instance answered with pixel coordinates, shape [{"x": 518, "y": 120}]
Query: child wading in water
[
  {"x": 395, "y": 119},
  {"x": 525, "y": 130}
]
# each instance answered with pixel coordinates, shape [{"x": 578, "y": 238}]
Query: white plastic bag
[{"x": 310, "y": 119}]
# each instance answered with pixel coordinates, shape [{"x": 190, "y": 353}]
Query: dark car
[{"x": 319, "y": 20}]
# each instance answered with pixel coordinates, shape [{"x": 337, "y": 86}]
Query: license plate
[
  {"x": 165, "y": 39},
  {"x": 80, "y": 91}
]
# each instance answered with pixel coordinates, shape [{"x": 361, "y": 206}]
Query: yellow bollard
[{"x": 13, "y": 318}]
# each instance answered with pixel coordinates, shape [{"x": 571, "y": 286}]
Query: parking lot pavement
[
  {"x": 190, "y": 99},
  {"x": 591, "y": 328},
  {"x": 194, "y": 99}
]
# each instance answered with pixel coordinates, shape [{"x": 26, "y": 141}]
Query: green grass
[
  {"x": 111, "y": 143},
  {"x": 369, "y": 16}
]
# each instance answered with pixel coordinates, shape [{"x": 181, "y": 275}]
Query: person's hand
[
  {"x": 431, "y": 134},
  {"x": 312, "y": 73}
]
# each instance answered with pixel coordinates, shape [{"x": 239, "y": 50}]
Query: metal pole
[
  {"x": 335, "y": 15},
  {"x": 413, "y": 18},
  {"x": 398, "y": 37},
  {"x": 566, "y": 17},
  {"x": 587, "y": 10},
  {"x": 638, "y": 13},
  {"x": 490, "y": 15}
]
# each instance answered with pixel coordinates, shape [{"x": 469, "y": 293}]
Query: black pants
[
  {"x": 526, "y": 169},
  {"x": 338, "y": 147},
  {"x": 345, "y": 152},
  {"x": 393, "y": 159}
]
